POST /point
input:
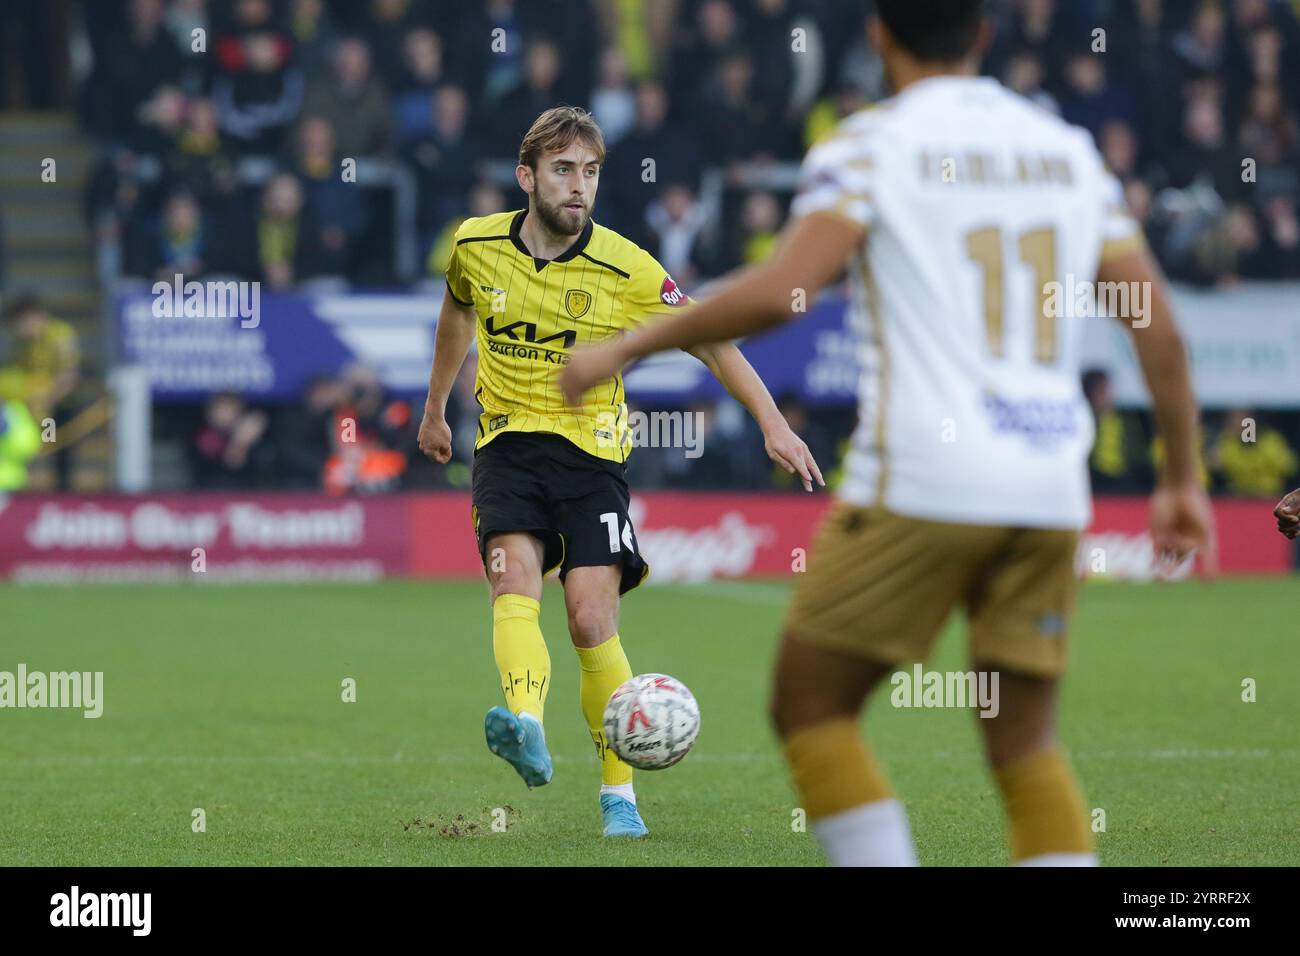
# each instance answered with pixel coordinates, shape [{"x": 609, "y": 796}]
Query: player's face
[{"x": 564, "y": 188}]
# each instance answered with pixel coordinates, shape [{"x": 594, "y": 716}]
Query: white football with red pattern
[{"x": 652, "y": 721}]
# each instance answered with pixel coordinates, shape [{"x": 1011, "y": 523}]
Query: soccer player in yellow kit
[{"x": 548, "y": 480}]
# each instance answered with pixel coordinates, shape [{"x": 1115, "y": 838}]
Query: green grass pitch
[{"x": 228, "y": 698}]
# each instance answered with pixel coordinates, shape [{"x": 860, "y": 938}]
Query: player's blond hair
[{"x": 556, "y": 129}]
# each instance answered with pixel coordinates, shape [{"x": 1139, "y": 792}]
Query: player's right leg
[
  {"x": 515, "y": 732},
  {"x": 518, "y": 547},
  {"x": 876, "y": 593}
]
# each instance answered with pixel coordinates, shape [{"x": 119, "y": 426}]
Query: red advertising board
[
  {"x": 684, "y": 536},
  {"x": 165, "y": 537}
]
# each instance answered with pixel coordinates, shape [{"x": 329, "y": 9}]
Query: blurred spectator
[
  {"x": 650, "y": 154},
  {"x": 1024, "y": 73},
  {"x": 446, "y": 161},
  {"x": 353, "y": 100},
  {"x": 1200, "y": 46},
  {"x": 1116, "y": 463},
  {"x": 303, "y": 434},
  {"x": 1206, "y": 154},
  {"x": 158, "y": 120},
  {"x": 826, "y": 114},
  {"x": 388, "y": 23},
  {"x": 314, "y": 35},
  {"x": 484, "y": 200},
  {"x": 371, "y": 437},
  {"x": 1089, "y": 99},
  {"x": 731, "y": 124},
  {"x": 675, "y": 220},
  {"x": 227, "y": 451},
  {"x": 20, "y": 440},
  {"x": 257, "y": 89},
  {"x": 536, "y": 92},
  {"x": 613, "y": 102},
  {"x": 286, "y": 241},
  {"x": 422, "y": 75},
  {"x": 698, "y": 49},
  {"x": 137, "y": 57},
  {"x": 1268, "y": 135},
  {"x": 760, "y": 221},
  {"x": 1119, "y": 148},
  {"x": 47, "y": 363},
  {"x": 198, "y": 161},
  {"x": 1232, "y": 249},
  {"x": 1251, "y": 459},
  {"x": 183, "y": 242},
  {"x": 337, "y": 208}
]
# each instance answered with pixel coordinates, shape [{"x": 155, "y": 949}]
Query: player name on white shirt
[{"x": 978, "y": 207}]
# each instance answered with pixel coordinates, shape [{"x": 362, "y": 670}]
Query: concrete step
[
  {"x": 60, "y": 243},
  {"x": 22, "y": 165},
  {"x": 38, "y": 204}
]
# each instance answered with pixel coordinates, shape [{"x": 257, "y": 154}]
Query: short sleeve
[
  {"x": 651, "y": 291},
  {"x": 1120, "y": 232},
  {"x": 839, "y": 176},
  {"x": 458, "y": 283}
]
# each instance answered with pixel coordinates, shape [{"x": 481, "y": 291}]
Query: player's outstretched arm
[
  {"x": 812, "y": 251},
  {"x": 456, "y": 324},
  {"x": 738, "y": 377},
  {"x": 1182, "y": 520},
  {"x": 1287, "y": 514}
]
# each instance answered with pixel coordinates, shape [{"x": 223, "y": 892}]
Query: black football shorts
[{"x": 576, "y": 503}]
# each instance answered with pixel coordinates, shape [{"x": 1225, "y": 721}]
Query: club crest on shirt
[
  {"x": 671, "y": 294},
  {"x": 577, "y": 302}
]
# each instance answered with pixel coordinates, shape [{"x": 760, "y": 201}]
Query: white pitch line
[{"x": 81, "y": 760}]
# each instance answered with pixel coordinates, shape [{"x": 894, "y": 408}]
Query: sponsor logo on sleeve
[{"x": 671, "y": 294}]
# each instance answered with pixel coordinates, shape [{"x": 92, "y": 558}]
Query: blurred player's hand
[
  {"x": 789, "y": 451},
  {"x": 587, "y": 367},
  {"x": 1182, "y": 524},
  {"x": 435, "y": 438},
  {"x": 1287, "y": 514}
]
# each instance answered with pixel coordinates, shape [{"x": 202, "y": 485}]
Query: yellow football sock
[
  {"x": 833, "y": 768},
  {"x": 1045, "y": 812},
  {"x": 604, "y": 667},
  {"x": 521, "y": 654}
]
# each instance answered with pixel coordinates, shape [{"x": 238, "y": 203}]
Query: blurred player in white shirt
[{"x": 977, "y": 231}]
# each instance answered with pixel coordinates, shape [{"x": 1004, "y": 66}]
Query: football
[{"x": 652, "y": 721}]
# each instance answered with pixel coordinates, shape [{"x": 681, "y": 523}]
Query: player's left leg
[
  {"x": 1047, "y": 820},
  {"x": 1019, "y": 629},
  {"x": 591, "y": 596}
]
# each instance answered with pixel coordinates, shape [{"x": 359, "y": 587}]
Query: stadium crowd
[
  {"x": 1190, "y": 95},
  {"x": 224, "y": 156}
]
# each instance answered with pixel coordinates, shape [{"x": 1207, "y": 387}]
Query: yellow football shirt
[{"x": 533, "y": 312}]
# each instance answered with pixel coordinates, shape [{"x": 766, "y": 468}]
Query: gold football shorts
[{"x": 881, "y": 585}]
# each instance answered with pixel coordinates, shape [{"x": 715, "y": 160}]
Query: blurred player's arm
[
  {"x": 730, "y": 367},
  {"x": 1287, "y": 514},
  {"x": 1182, "y": 520},
  {"x": 455, "y": 334},
  {"x": 812, "y": 251}
]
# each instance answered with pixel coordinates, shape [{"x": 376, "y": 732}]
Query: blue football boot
[
  {"x": 520, "y": 742},
  {"x": 621, "y": 817}
]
